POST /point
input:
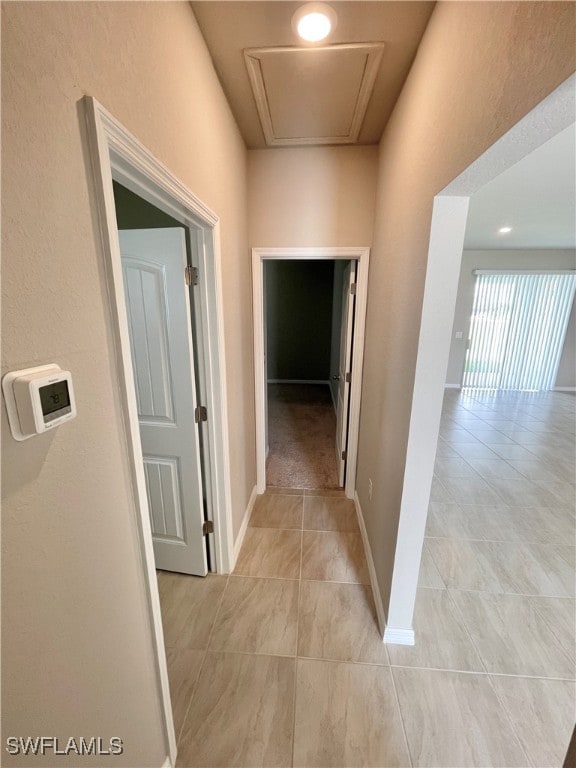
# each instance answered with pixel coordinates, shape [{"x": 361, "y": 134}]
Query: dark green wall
[
  {"x": 299, "y": 319},
  {"x": 132, "y": 212}
]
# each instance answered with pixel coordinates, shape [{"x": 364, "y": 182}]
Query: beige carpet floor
[{"x": 302, "y": 437}]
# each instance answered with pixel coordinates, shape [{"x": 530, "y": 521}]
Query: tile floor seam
[
  {"x": 262, "y": 578},
  {"x": 431, "y": 556},
  {"x": 253, "y": 653},
  {"x": 479, "y": 673},
  {"x": 343, "y": 661},
  {"x": 203, "y": 660},
  {"x": 295, "y": 693},
  {"x": 534, "y": 677},
  {"x": 184, "y": 718},
  {"x": 464, "y": 624},
  {"x": 397, "y": 698},
  {"x": 509, "y": 594},
  {"x": 268, "y": 528},
  {"x": 335, "y": 581},
  {"x": 504, "y": 707},
  {"x": 554, "y": 632}
]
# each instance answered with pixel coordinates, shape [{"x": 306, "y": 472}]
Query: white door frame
[
  {"x": 116, "y": 153},
  {"x": 259, "y": 255},
  {"x": 449, "y": 216}
]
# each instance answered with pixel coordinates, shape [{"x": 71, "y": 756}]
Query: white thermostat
[{"x": 38, "y": 399}]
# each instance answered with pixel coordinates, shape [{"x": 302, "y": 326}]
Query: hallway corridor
[
  {"x": 282, "y": 664},
  {"x": 302, "y": 437},
  {"x": 286, "y": 647}
]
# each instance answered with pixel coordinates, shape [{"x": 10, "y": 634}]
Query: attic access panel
[{"x": 313, "y": 95}]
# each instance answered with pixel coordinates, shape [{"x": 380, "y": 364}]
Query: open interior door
[
  {"x": 344, "y": 373},
  {"x": 159, "y": 320}
]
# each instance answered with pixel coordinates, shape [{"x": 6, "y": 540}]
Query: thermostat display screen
[{"x": 55, "y": 400}]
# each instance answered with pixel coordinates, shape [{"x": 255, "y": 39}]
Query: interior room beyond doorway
[{"x": 305, "y": 340}]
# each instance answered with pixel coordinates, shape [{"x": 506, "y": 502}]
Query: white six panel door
[
  {"x": 346, "y": 334},
  {"x": 159, "y": 320}
]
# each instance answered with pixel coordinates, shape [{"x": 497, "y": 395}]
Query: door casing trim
[
  {"x": 259, "y": 256},
  {"x": 115, "y": 153}
]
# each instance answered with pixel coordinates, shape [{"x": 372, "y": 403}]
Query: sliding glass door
[{"x": 517, "y": 331}]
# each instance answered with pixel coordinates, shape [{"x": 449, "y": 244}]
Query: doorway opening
[
  {"x": 169, "y": 374},
  {"x": 309, "y": 311},
  {"x": 447, "y": 239},
  {"x": 117, "y": 156},
  {"x": 308, "y": 356}
]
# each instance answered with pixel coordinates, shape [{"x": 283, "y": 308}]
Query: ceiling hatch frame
[{"x": 254, "y": 58}]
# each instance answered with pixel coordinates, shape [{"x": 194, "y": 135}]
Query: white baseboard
[
  {"x": 452, "y": 386},
  {"x": 564, "y": 389},
  {"x": 298, "y": 381},
  {"x": 371, "y": 568},
  {"x": 242, "y": 532},
  {"x": 399, "y": 636}
]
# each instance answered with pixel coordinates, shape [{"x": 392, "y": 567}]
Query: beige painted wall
[
  {"x": 479, "y": 69},
  {"x": 311, "y": 196},
  {"x": 507, "y": 259},
  {"x": 76, "y": 645}
]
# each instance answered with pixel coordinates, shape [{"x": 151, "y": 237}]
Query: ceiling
[
  {"x": 283, "y": 93},
  {"x": 536, "y": 197}
]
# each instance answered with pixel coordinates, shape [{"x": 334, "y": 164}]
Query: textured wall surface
[
  {"x": 480, "y": 68},
  {"x": 311, "y": 196},
  {"x": 77, "y": 651},
  {"x": 507, "y": 259}
]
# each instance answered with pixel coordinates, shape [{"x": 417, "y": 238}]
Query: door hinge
[
  {"x": 348, "y": 378},
  {"x": 353, "y": 289},
  {"x": 200, "y": 414},
  {"x": 191, "y": 275},
  {"x": 344, "y": 455},
  {"x": 207, "y": 527}
]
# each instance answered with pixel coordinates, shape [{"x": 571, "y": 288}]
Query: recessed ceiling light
[
  {"x": 504, "y": 230},
  {"x": 313, "y": 22}
]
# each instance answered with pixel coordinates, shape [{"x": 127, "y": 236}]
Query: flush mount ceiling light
[
  {"x": 504, "y": 230},
  {"x": 313, "y": 22}
]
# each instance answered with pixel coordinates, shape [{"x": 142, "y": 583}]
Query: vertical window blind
[{"x": 518, "y": 327}]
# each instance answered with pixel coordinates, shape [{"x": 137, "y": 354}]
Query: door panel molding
[
  {"x": 362, "y": 256},
  {"x": 113, "y": 152},
  {"x": 169, "y": 478},
  {"x": 160, "y": 321},
  {"x": 154, "y": 298}
]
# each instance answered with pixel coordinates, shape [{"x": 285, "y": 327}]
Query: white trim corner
[
  {"x": 393, "y": 636},
  {"x": 244, "y": 527}
]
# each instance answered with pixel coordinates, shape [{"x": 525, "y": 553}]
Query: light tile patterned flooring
[{"x": 281, "y": 663}]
